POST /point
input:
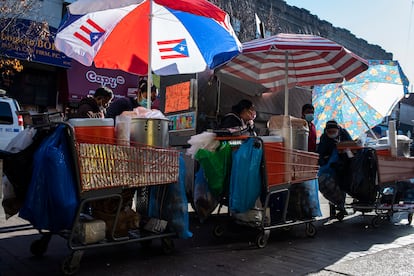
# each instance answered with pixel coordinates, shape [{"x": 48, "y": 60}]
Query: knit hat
[{"x": 331, "y": 124}]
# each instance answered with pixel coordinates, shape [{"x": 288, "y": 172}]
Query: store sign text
[{"x": 113, "y": 82}]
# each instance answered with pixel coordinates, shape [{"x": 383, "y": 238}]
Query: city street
[{"x": 351, "y": 247}]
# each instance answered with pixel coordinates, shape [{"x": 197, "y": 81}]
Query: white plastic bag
[
  {"x": 122, "y": 129},
  {"x": 21, "y": 140},
  {"x": 205, "y": 140}
]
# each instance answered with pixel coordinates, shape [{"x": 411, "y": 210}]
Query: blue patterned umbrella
[{"x": 362, "y": 102}]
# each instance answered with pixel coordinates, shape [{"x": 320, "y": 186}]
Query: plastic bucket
[{"x": 153, "y": 132}]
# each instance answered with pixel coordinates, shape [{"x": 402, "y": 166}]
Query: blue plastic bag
[
  {"x": 328, "y": 184},
  {"x": 311, "y": 193},
  {"x": 204, "y": 201},
  {"x": 246, "y": 178},
  {"x": 170, "y": 203},
  {"x": 51, "y": 201}
]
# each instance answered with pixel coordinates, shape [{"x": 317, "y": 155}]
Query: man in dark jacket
[
  {"x": 120, "y": 105},
  {"x": 94, "y": 106}
]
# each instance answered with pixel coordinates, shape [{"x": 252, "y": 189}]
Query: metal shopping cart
[
  {"x": 382, "y": 187},
  {"x": 280, "y": 169},
  {"x": 107, "y": 174}
]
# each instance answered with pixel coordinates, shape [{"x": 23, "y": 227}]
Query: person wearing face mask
[
  {"x": 94, "y": 106},
  {"x": 143, "y": 94},
  {"x": 333, "y": 134},
  {"x": 129, "y": 103},
  {"x": 242, "y": 117},
  {"x": 307, "y": 113}
]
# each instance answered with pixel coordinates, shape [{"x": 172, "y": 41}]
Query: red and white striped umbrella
[{"x": 288, "y": 60}]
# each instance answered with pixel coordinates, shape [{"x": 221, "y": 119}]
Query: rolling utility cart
[
  {"x": 107, "y": 175},
  {"x": 379, "y": 183},
  {"x": 280, "y": 168}
]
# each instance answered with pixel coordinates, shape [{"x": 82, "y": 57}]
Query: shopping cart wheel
[
  {"x": 39, "y": 247},
  {"x": 410, "y": 218},
  {"x": 262, "y": 238},
  {"x": 310, "y": 230},
  {"x": 218, "y": 230},
  {"x": 167, "y": 245},
  {"x": 71, "y": 263}
]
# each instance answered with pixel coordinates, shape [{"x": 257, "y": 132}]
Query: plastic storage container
[
  {"x": 94, "y": 130},
  {"x": 403, "y": 145},
  {"x": 274, "y": 159},
  {"x": 299, "y": 130}
]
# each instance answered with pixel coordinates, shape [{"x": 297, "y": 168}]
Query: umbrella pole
[
  {"x": 287, "y": 127},
  {"x": 218, "y": 98},
  {"x": 149, "y": 73},
  {"x": 286, "y": 84},
  {"x": 356, "y": 109}
]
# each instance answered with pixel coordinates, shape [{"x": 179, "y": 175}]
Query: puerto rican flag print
[
  {"x": 89, "y": 32},
  {"x": 181, "y": 38},
  {"x": 173, "y": 49}
]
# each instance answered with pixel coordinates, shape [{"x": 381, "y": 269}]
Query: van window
[{"x": 6, "y": 116}]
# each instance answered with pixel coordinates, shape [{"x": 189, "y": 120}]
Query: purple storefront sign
[{"x": 83, "y": 80}]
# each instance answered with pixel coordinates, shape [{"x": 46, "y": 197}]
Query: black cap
[{"x": 331, "y": 124}]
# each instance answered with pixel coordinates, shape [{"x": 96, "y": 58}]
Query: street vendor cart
[
  {"x": 105, "y": 176},
  {"x": 267, "y": 189},
  {"x": 378, "y": 182}
]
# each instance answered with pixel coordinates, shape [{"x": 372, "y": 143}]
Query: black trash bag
[
  {"x": 359, "y": 175},
  {"x": 304, "y": 200},
  {"x": 15, "y": 163}
]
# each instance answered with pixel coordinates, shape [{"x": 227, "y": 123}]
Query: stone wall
[{"x": 279, "y": 17}]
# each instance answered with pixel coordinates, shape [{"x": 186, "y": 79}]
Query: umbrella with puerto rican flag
[{"x": 165, "y": 37}]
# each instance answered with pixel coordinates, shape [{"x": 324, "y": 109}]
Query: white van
[{"x": 10, "y": 122}]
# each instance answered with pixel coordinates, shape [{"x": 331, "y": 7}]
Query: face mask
[
  {"x": 333, "y": 135},
  {"x": 309, "y": 117},
  {"x": 143, "y": 103}
]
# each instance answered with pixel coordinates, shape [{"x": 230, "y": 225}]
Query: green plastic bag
[{"x": 216, "y": 167}]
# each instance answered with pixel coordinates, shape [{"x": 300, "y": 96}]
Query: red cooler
[{"x": 94, "y": 130}]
